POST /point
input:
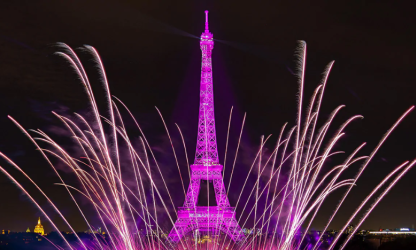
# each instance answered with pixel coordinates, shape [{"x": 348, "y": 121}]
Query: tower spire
[{"x": 206, "y": 21}]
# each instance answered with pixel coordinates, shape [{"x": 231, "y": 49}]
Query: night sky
[{"x": 151, "y": 53}]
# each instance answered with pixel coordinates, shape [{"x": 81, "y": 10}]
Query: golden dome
[{"x": 39, "y": 228}]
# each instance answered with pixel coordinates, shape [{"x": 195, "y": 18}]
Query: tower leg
[
  {"x": 233, "y": 230},
  {"x": 220, "y": 193},
  {"x": 181, "y": 228},
  {"x": 193, "y": 192}
]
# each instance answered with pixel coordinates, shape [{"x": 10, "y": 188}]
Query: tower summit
[
  {"x": 206, "y": 21},
  {"x": 206, "y": 145},
  {"x": 191, "y": 217}
]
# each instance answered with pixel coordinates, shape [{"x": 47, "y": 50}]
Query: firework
[{"x": 277, "y": 220}]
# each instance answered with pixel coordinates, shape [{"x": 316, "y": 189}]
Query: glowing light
[
  {"x": 39, "y": 228},
  {"x": 291, "y": 202},
  {"x": 391, "y": 232},
  {"x": 206, "y": 165}
]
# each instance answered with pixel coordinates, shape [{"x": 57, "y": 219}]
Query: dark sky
[{"x": 151, "y": 52}]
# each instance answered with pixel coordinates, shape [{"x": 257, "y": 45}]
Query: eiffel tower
[{"x": 211, "y": 219}]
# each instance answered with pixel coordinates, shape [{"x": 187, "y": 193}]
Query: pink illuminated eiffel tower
[{"x": 211, "y": 219}]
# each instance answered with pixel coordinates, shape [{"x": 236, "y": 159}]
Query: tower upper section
[
  {"x": 207, "y": 42},
  {"x": 206, "y": 146}
]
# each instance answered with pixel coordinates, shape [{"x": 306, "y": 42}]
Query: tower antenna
[{"x": 206, "y": 20}]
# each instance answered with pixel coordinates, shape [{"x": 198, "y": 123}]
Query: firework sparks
[{"x": 288, "y": 202}]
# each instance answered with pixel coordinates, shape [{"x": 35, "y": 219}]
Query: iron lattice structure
[{"x": 191, "y": 217}]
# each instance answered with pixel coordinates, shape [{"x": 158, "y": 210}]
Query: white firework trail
[{"x": 290, "y": 204}]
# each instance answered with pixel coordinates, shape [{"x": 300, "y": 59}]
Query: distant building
[
  {"x": 362, "y": 232},
  {"x": 402, "y": 230},
  {"x": 378, "y": 238},
  {"x": 332, "y": 232},
  {"x": 39, "y": 228},
  {"x": 90, "y": 231},
  {"x": 349, "y": 229},
  {"x": 28, "y": 230}
]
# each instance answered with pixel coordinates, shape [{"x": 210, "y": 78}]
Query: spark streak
[{"x": 293, "y": 181}]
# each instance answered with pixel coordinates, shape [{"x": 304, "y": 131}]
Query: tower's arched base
[{"x": 214, "y": 220}]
